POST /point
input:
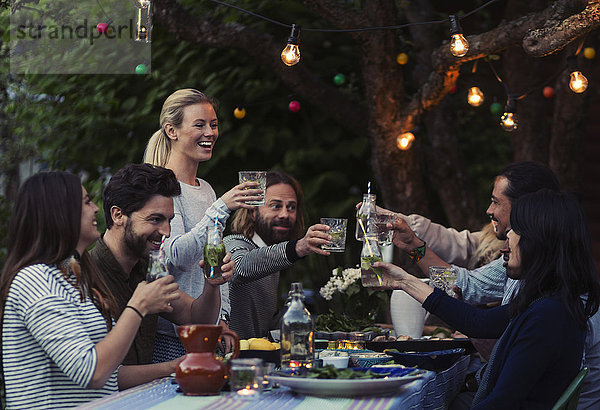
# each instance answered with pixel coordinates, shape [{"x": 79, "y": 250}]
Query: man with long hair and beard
[{"x": 266, "y": 240}]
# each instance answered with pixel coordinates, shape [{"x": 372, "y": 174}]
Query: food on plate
[
  {"x": 258, "y": 344},
  {"x": 403, "y": 338},
  {"x": 384, "y": 338},
  {"x": 330, "y": 372},
  {"x": 332, "y": 353}
]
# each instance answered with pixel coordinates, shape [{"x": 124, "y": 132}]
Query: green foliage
[{"x": 347, "y": 299}]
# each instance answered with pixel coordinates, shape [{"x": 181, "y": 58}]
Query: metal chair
[{"x": 569, "y": 399}]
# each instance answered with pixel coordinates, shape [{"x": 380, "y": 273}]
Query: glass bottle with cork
[
  {"x": 370, "y": 254},
  {"x": 297, "y": 333}
]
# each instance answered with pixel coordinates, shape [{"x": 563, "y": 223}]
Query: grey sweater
[{"x": 195, "y": 210}]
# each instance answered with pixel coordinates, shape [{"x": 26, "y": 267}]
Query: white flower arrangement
[{"x": 339, "y": 281}]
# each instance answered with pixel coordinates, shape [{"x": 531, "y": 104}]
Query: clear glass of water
[
  {"x": 337, "y": 231},
  {"x": 443, "y": 277},
  {"x": 384, "y": 235},
  {"x": 255, "y": 176}
]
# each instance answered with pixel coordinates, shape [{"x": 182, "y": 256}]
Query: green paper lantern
[
  {"x": 339, "y": 79},
  {"x": 496, "y": 108},
  {"x": 141, "y": 69}
]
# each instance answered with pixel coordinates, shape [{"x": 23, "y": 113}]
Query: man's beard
[
  {"x": 499, "y": 234},
  {"x": 268, "y": 234},
  {"x": 136, "y": 245}
]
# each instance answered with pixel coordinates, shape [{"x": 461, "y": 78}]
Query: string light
[
  {"x": 508, "y": 121},
  {"x": 291, "y": 53},
  {"x": 475, "y": 96},
  {"x": 339, "y": 79},
  {"x": 141, "y": 69},
  {"x": 144, "y": 21},
  {"x": 589, "y": 53},
  {"x": 402, "y": 58},
  {"x": 405, "y": 140},
  {"x": 239, "y": 113},
  {"x": 458, "y": 43},
  {"x": 577, "y": 81},
  {"x": 294, "y": 106},
  {"x": 548, "y": 92}
]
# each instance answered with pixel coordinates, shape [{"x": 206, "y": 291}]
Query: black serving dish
[
  {"x": 414, "y": 345},
  {"x": 436, "y": 360},
  {"x": 270, "y": 356}
]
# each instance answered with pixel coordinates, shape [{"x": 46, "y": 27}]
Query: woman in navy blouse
[{"x": 542, "y": 330}]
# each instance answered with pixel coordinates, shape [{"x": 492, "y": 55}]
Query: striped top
[
  {"x": 48, "y": 342},
  {"x": 254, "y": 286}
]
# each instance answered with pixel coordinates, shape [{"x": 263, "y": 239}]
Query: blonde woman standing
[{"x": 187, "y": 136}]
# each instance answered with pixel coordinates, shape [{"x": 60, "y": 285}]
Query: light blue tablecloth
[{"x": 432, "y": 391}]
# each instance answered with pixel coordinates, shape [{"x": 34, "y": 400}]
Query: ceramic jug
[{"x": 200, "y": 373}]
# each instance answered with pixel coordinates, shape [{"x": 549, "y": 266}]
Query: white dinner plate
[{"x": 345, "y": 387}]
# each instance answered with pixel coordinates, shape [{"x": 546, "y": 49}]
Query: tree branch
[
  {"x": 446, "y": 67},
  {"x": 555, "y": 37},
  {"x": 210, "y": 32}
]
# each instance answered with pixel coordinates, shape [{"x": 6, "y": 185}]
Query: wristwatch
[{"x": 225, "y": 318}]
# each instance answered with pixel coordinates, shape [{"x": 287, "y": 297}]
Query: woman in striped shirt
[{"x": 60, "y": 347}]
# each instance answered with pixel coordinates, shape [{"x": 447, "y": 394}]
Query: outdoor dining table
[{"x": 433, "y": 390}]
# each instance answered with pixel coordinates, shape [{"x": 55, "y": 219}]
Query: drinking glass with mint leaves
[
  {"x": 214, "y": 252},
  {"x": 157, "y": 267}
]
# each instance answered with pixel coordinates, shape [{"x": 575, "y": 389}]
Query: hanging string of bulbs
[
  {"x": 459, "y": 46},
  {"x": 577, "y": 83}
]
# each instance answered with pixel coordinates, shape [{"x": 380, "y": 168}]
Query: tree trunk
[{"x": 568, "y": 131}]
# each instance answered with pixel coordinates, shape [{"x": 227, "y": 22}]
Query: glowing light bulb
[
  {"x": 291, "y": 53},
  {"x": 405, "y": 140},
  {"x": 475, "y": 96},
  {"x": 508, "y": 122},
  {"x": 143, "y": 30},
  {"x": 458, "y": 43},
  {"x": 239, "y": 113},
  {"x": 578, "y": 82},
  {"x": 142, "y": 4}
]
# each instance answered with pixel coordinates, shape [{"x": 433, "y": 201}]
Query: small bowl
[
  {"x": 369, "y": 359},
  {"x": 339, "y": 362}
]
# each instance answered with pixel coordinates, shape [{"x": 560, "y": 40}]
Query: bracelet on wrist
[
  {"x": 136, "y": 311},
  {"x": 418, "y": 253},
  {"x": 225, "y": 318}
]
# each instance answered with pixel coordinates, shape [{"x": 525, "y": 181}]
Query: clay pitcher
[{"x": 200, "y": 373}]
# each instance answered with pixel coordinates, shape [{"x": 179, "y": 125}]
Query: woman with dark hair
[
  {"x": 549, "y": 251},
  {"x": 60, "y": 347}
]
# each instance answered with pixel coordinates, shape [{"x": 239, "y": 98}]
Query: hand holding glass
[
  {"x": 260, "y": 177},
  {"x": 384, "y": 234},
  {"x": 443, "y": 277},
  {"x": 337, "y": 232},
  {"x": 214, "y": 252}
]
